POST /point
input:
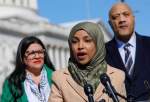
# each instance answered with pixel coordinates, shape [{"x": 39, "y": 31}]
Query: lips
[
  {"x": 123, "y": 26},
  {"x": 81, "y": 55},
  {"x": 37, "y": 61}
]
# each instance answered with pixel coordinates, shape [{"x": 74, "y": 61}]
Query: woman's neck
[{"x": 36, "y": 76}]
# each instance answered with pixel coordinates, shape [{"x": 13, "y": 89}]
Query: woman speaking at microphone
[{"x": 85, "y": 65}]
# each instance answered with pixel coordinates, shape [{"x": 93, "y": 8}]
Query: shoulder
[
  {"x": 6, "y": 85},
  {"x": 49, "y": 71},
  {"x": 142, "y": 37},
  {"x": 60, "y": 74},
  {"x": 6, "y": 94},
  {"x": 115, "y": 73},
  {"x": 59, "y": 78},
  {"x": 143, "y": 41},
  {"x": 110, "y": 42}
]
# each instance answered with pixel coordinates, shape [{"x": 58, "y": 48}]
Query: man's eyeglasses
[{"x": 34, "y": 54}]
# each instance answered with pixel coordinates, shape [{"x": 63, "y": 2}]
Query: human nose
[
  {"x": 36, "y": 55},
  {"x": 80, "y": 45},
  {"x": 122, "y": 18}
]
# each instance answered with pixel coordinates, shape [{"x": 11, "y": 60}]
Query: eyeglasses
[{"x": 32, "y": 54}]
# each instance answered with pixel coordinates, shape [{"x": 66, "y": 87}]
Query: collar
[{"x": 132, "y": 41}]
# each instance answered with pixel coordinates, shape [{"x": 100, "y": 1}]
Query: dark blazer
[{"x": 136, "y": 85}]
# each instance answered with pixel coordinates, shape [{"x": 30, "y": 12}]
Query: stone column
[
  {"x": 57, "y": 58},
  {"x": 62, "y": 58},
  {"x": 67, "y": 55},
  {"x": 1, "y": 2},
  {"x": 17, "y": 2},
  {"x": 25, "y": 3},
  {"x": 51, "y": 53},
  {"x": 8, "y": 2},
  {"x": 33, "y": 4}
]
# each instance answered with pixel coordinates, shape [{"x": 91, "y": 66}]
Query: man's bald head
[
  {"x": 121, "y": 20},
  {"x": 118, "y": 5}
]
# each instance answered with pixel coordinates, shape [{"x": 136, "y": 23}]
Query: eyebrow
[
  {"x": 34, "y": 50},
  {"x": 118, "y": 13},
  {"x": 85, "y": 37}
]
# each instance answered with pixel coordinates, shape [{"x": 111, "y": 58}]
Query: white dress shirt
[{"x": 132, "y": 48}]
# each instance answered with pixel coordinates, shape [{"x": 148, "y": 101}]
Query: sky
[{"x": 62, "y": 11}]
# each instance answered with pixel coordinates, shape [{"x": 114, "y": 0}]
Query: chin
[
  {"x": 38, "y": 66},
  {"x": 83, "y": 62},
  {"x": 124, "y": 32}
]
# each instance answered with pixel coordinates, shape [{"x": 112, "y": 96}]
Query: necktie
[{"x": 128, "y": 58}]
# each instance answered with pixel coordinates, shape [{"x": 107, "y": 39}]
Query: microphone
[
  {"x": 89, "y": 92},
  {"x": 105, "y": 80}
]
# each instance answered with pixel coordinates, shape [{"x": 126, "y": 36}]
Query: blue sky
[{"x": 61, "y": 11}]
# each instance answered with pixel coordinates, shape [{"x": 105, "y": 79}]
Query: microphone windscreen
[
  {"x": 88, "y": 89},
  {"x": 104, "y": 78}
]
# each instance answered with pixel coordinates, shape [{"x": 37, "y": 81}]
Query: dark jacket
[{"x": 137, "y": 85}]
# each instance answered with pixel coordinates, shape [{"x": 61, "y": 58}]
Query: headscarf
[{"x": 90, "y": 72}]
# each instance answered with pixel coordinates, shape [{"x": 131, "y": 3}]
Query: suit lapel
[
  {"x": 99, "y": 92},
  {"x": 78, "y": 89},
  {"x": 138, "y": 56},
  {"x": 116, "y": 55}
]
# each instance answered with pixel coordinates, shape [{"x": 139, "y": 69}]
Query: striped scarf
[{"x": 38, "y": 91}]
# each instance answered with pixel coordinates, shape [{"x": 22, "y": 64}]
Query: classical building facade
[{"x": 19, "y": 18}]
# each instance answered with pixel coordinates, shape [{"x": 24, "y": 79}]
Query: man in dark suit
[{"x": 130, "y": 52}]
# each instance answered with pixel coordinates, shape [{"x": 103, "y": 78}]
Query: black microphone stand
[
  {"x": 89, "y": 92},
  {"x": 125, "y": 98},
  {"x": 115, "y": 99},
  {"x": 129, "y": 99}
]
